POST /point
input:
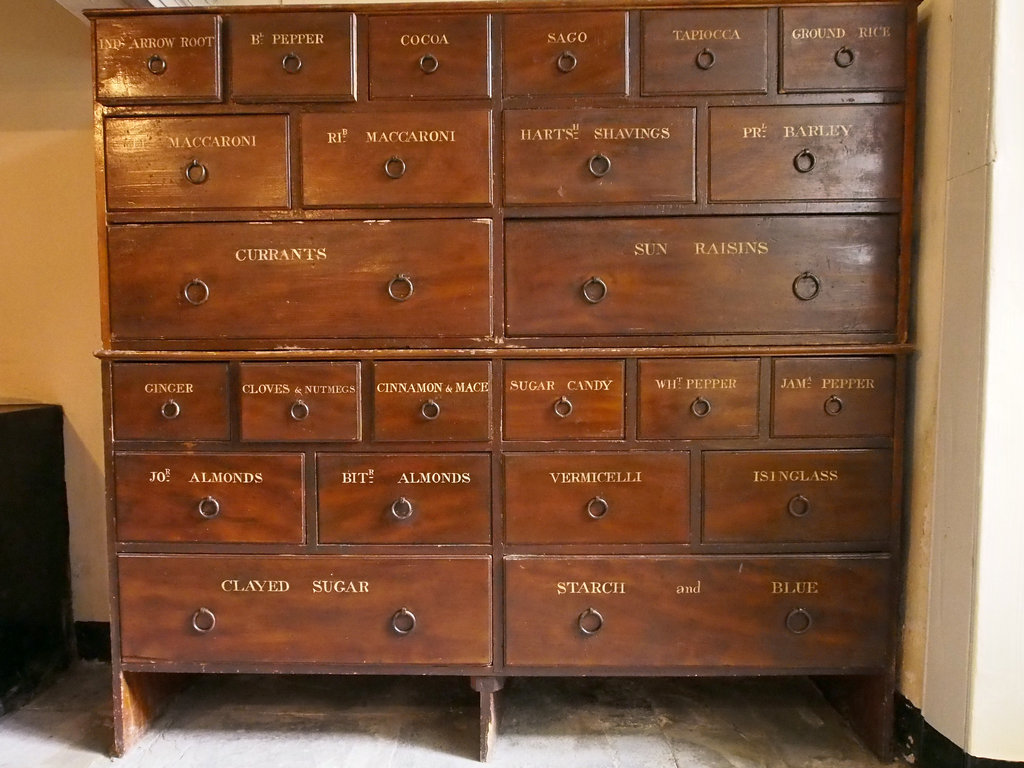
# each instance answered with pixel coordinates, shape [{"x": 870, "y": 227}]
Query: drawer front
[
  {"x": 170, "y": 401},
  {"x": 432, "y": 401},
  {"x": 240, "y": 161},
  {"x": 823, "y": 497},
  {"x": 292, "y": 56},
  {"x": 305, "y": 609},
  {"x": 565, "y": 53},
  {"x": 173, "y": 59},
  {"x": 723, "y": 51},
  {"x": 779, "y": 274},
  {"x": 396, "y": 158},
  {"x": 843, "y": 48},
  {"x": 833, "y": 397},
  {"x": 404, "y": 498},
  {"x": 430, "y": 57},
  {"x": 284, "y": 280},
  {"x": 688, "y": 399},
  {"x": 597, "y": 498},
  {"x": 599, "y": 156},
  {"x": 806, "y": 153},
  {"x": 209, "y": 497},
  {"x": 752, "y": 612},
  {"x": 565, "y": 399},
  {"x": 299, "y": 401}
]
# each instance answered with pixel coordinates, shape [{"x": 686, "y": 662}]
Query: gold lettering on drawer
[
  {"x": 435, "y": 478},
  {"x": 521, "y": 385},
  {"x": 301, "y": 389},
  {"x": 355, "y": 477},
  {"x": 688, "y": 589},
  {"x": 168, "y": 388},
  {"x": 254, "y": 585},
  {"x": 867, "y": 32},
  {"x": 227, "y": 478},
  {"x": 633, "y": 134},
  {"x": 572, "y": 133},
  {"x": 795, "y": 588},
  {"x": 595, "y": 385},
  {"x": 410, "y": 387},
  {"x": 340, "y": 586},
  {"x": 266, "y": 389},
  {"x": 819, "y": 33},
  {"x": 731, "y": 248},
  {"x": 281, "y": 254},
  {"x": 795, "y": 475},
  {"x": 787, "y": 383},
  {"x": 681, "y": 382},
  {"x": 756, "y": 131},
  {"x": 685, "y": 35},
  {"x": 425, "y": 39},
  {"x": 816, "y": 131},
  {"x": 650, "y": 249},
  {"x": 590, "y": 588},
  {"x": 152, "y": 43},
  {"x": 411, "y": 137},
  {"x": 337, "y": 137},
  {"x": 847, "y": 383},
  {"x": 587, "y": 478},
  {"x": 567, "y": 37},
  {"x": 224, "y": 141}
]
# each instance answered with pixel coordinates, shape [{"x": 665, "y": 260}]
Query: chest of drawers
[{"x": 502, "y": 340}]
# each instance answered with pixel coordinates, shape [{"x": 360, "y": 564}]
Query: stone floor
[{"x": 249, "y": 721}]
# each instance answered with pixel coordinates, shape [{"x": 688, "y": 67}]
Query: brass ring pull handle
[
  {"x": 170, "y": 409},
  {"x": 429, "y": 63},
  {"x": 834, "y": 406},
  {"x": 700, "y": 407},
  {"x": 196, "y": 292},
  {"x": 291, "y": 63},
  {"x": 430, "y": 410},
  {"x": 397, "y": 281},
  {"x": 299, "y": 410},
  {"x": 799, "y": 506},
  {"x": 203, "y": 621},
  {"x": 845, "y": 57},
  {"x": 599, "y": 165},
  {"x": 597, "y": 507},
  {"x": 705, "y": 59},
  {"x": 196, "y": 172},
  {"x": 590, "y": 622},
  {"x": 804, "y": 161},
  {"x": 401, "y": 508},
  {"x": 562, "y": 407},
  {"x": 798, "y": 621},
  {"x": 403, "y": 621},
  {"x": 209, "y": 507},
  {"x": 394, "y": 167},
  {"x": 156, "y": 64},
  {"x": 594, "y": 290},
  {"x": 566, "y": 62},
  {"x": 806, "y": 286}
]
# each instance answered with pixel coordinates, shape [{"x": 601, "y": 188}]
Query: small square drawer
[
  {"x": 548, "y": 54},
  {"x": 292, "y": 56},
  {"x": 430, "y": 57},
  {"x": 209, "y": 497},
  {"x": 158, "y": 58},
  {"x": 686, "y": 399},
  {"x": 300, "y": 401},
  {"x": 564, "y": 399},
  {"x": 844, "y": 48},
  {"x": 833, "y": 397},
  {"x": 404, "y": 498},
  {"x": 170, "y": 401},
  {"x": 720, "y": 51},
  {"x": 437, "y": 400}
]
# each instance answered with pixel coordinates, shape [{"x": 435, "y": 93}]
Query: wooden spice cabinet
[{"x": 506, "y": 339}]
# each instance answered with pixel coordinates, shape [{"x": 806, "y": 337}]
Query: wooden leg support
[
  {"x": 868, "y": 704},
  {"x": 139, "y": 698},
  {"x": 489, "y": 689}
]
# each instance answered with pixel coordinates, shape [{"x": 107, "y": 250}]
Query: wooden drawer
[
  {"x": 843, "y": 48},
  {"x": 721, "y": 51},
  {"x": 782, "y": 613},
  {"x": 833, "y": 396},
  {"x": 565, "y": 53},
  {"x": 432, "y": 57},
  {"x": 209, "y": 497},
  {"x": 687, "y": 399},
  {"x": 305, "y": 609},
  {"x": 824, "y": 497},
  {"x": 806, "y": 153},
  {"x": 292, "y": 56},
  {"x": 237, "y": 161},
  {"x": 779, "y": 274},
  {"x": 564, "y": 399},
  {"x": 283, "y": 280},
  {"x": 154, "y": 58},
  {"x": 170, "y": 401},
  {"x": 404, "y": 498},
  {"x": 396, "y": 158},
  {"x": 432, "y": 400},
  {"x": 599, "y": 156},
  {"x": 597, "y": 498},
  {"x": 299, "y": 401}
]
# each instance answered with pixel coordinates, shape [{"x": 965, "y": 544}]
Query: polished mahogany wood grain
[
  {"x": 170, "y": 401},
  {"x": 441, "y": 400}
]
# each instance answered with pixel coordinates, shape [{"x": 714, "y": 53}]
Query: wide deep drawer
[
  {"x": 209, "y": 497},
  {"x": 404, "y": 498},
  {"x": 752, "y": 275},
  {"x": 783, "y": 613},
  {"x": 287, "y": 280},
  {"x": 597, "y": 498},
  {"x": 305, "y": 609},
  {"x": 170, "y": 401},
  {"x": 436, "y": 400}
]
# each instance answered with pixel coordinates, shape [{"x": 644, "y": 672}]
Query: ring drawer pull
[
  {"x": 566, "y": 62},
  {"x": 203, "y": 621},
  {"x": 594, "y": 290},
  {"x": 192, "y": 287},
  {"x": 401, "y": 508},
  {"x": 834, "y": 406},
  {"x": 590, "y": 622},
  {"x": 799, "y": 506},
  {"x": 804, "y": 161},
  {"x": 404, "y": 621},
  {"x": 806, "y": 286},
  {"x": 429, "y": 63},
  {"x": 299, "y": 410},
  {"x": 170, "y": 410},
  {"x": 291, "y": 63},
  {"x": 563, "y": 407},
  {"x": 394, "y": 167},
  {"x": 395, "y": 282},
  {"x": 597, "y": 507},
  {"x": 798, "y": 621},
  {"x": 157, "y": 64},
  {"x": 599, "y": 165},
  {"x": 196, "y": 172},
  {"x": 209, "y": 508},
  {"x": 430, "y": 410},
  {"x": 705, "y": 59},
  {"x": 845, "y": 57},
  {"x": 700, "y": 407}
]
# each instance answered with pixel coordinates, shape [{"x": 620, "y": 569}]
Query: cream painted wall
[{"x": 49, "y": 293}]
